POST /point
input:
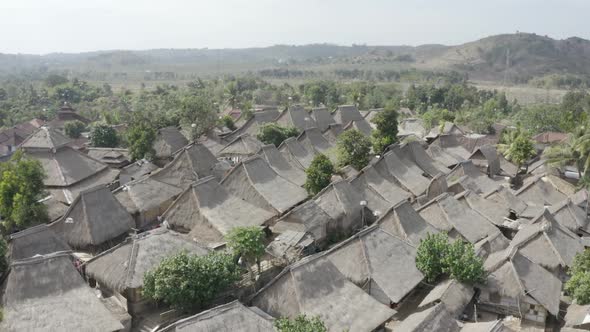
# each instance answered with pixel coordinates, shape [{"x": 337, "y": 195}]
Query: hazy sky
[{"x": 42, "y": 26}]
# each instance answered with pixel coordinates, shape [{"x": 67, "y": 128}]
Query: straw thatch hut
[
  {"x": 209, "y": 212},
  {"x": 282, "y": 166},
  {"x": 114, "y": 157},
  {"x": 240, "y": 148},
  {"x": 453, "y": 294},
  {"x": 33, "y": 241},
  {"x": 46, "y": 293},
  {"x": 95, "y": 221},
  {"x": 296, "y": 116},
  {"x": 535, "y": 191},
  {"x": 296, "y": 153},
  {"x": 379, "y": 188},
  {"x": 168, "y": 141},
  {"x": 433, "y": 319},
  {"x": 136, "y": 171},
  {"x": 322, "y": 118},
  {"x": 230, "y": 317},
  {"x": 403, "y": 221},
  {"x": 121, "y": 268}
]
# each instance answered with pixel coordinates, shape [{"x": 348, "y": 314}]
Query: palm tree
[
  {"x": 575, "y": 150},
  {"x": 232, "y": 94},
  {"x": 516, "y": 145}
]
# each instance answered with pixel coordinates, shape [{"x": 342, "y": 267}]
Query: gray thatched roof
[
  {"x": 470, "y": 177},
  {"x": 361, "y": 125},
  {"x": 243, "y": 145},
  {"x": 447, "y": 214},
  {"x": 433, "y": 319},
  {"x": 168, "y": 141},
  {"x": 403, "y": 221},
  {"x": 342, "y": 203},
  {"x": 570, "y": 215},
  {"x": 146, "y": 194},
  {"x": 414, "y": 152},
  {"x": 411, "y": 126},
  {"x": 313, "y": 140},
  {"x": 405, "y": 172},
  {"x": 492, "y": 326},
  {"x": 45, "y": 138},
  {"x": 547, "y": 243},
  {"x": 282, "y": 166},
  {"x": 314, "y": 286},
  {"x": 296, "y": 153},
  {"x": 446, "y": 129},
  {"x": 307, "y": 217},
  {"x": 136, "y": 170},
  {"x": 209, "y": 212},
  {"x": 347, "y": 113},
  {"x": 486, "y": 157},
  {"x": 94, "y": 218},
  {"x": 124, "y": 266},
  {"x": 47, "y": 294},
  {"x": 448, "y": 150},
  {"x": 453, "y": 294},
  {"x": 331, "y": 134},
  {"x": 190, "y": 163},
  {"x": 381, "y": 263},
  {"x": 37, "y": 240},
  {"x": 516, "y": 276},
  {"x": 578, "y": 316},
  {"x": 113, "y": 157},
  {"x": 230, "y": 317},
  {"x": 256, "y": 182},
  {"x": 296, "y": 116},
  {"x": 496, "y": 212},
  {"x": 504, "y": 196},
  {"x": 322, "y": 118},
  {"x": 580, "y": 198},
  {"x": 378, "y": 187},
  {"x": 536, "y": 191}
]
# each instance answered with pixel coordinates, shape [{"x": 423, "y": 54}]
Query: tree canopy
[
  {"x": 198, "y": 112},
  {"x": 301, "y": 323},
  {"x": 578, "y": 286},
  {"x": 3, "y": 258},
  {"x": 386, "y": 132},
  {"x": 21, "y": 188},
  {"x": 104, "y": 136},
  {"x": 247, "y": 242},
  {"x": 436, "y": 257},
  {"x": 319, "y": 174},
  {"x": 353, "y": 149},
  {"x": 74, "y": 128},
  {"x": 189, "y": 281},
  {"x": 272, "y": 133},
  {"x": 140, "y": 138}
]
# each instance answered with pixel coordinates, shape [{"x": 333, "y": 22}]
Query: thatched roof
[
  {"x": 447, "y": 129},
  {"x": 282, "y": 166},
  {"x": 535, "y": 191},
  {"x": 136, "y": 170},
  {"x": 313, "y": 140},
  {"x": 470, "y": 177},
  {"x": 230, "y": 317},
  {"x": 296, "y": 153},
  {"x": 411, "y": 126},
  {"x": 570, "y": 215},
  {"x": 168, "y": 141},
  {"x": 504, "y": 196},
  {"x": 405, "y": 171},
  {"x": 453, "y": 294},
  {"x": 331, "y": 134},
  {"x": 404, "y": 222},
  {"x": 243, "y": 145},
  {"x": 486, "y": 157},
  {"x": 322, "y": 118},
  {"x": 492, "y": 326},
  {"x": 296, "y": 116},
  {"x": 433, "y": 319},
  {"x": 414, "y": 152},
  {"x": 37, "y": 240},
  {"x": 447, "y": 214},
  {"x": 257, "y": 183},
  {"x": 190, "y": 163},
  {"x": 516, "y": 276},
  {"x": 347, "y": 113},
  {"x": 314, "y": 286},
  {"x": 45, "y": 138},
  {"x": 448, "y": 150},
  {"x": 378, "y": 261},
  {"x": 577, "y": 316},
  {"x": 47, "y": 294},
  {"x": 146, "y": 194},
  {"x": 124, "y": 266},
  {"x": 94, "y": 217},
  {"x": 209, "y": 212},
  {"x": 361, "y": 125},
  {"x": 378, "y": 187},
  {"x": 342, "y": 203},
  {"x": 495, "y": 212},
  {"x": 113, "y": 157}
]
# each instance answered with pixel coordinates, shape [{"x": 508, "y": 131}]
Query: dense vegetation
[
  {"x": 578, "y": 286},
  {"x": 247, "y": 243},
  {"x": 301, "y": 323},
  {"x": 272, "y": 133},
  {"x": 437, "y": 257},
  {"x": 319, "y": 174},
  {"x": 353, "y": 149}
]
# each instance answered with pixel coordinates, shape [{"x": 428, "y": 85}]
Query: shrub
[
  {"x": 386, "y": 132},
  {"x": 353, "y": 149},
  {"x": 74, "y": 128},
  {"x": 319, "y": 174},
  {"x": 579, "y": 284},
  {"x": 104, "y": 136},
  {"x": 301, "y": 323},
  {"x": 272, "y": 133},
  {"x": 247, "y": 242}
]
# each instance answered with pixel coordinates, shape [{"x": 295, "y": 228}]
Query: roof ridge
[{"x": 132, "y": 259}]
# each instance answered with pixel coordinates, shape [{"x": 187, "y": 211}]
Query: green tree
[
  {"x": 319, "y": 174},
  {"x": 386, "y": 132},
  {"x": 3, "y": 259},
  {"x": 575, "y": 150},
  {"x": 74, "y": 128},
  {"x": 198, "y": 112},
  {"x": 430, "y": 256},
  {"x": 189, "y": 281},
  {"x": 232, "y": 94},
  {"x": 228, "y": 122},
  {"x": 21, "y": 188},
  {"x": 462, "y": 264},
  {"x": 272, "y": 133},
  {"x": 104, "y": 136},
  {"x": 520, "y": 150},
  {"x": 578, "y": 286},
  {"x": 140, "y": 140},
  {"x": 247, "y": 242},
  {"x": 434, "y": 117},
  {"x": 301, "y": 323},
  {"x": 353, "y": 149}
]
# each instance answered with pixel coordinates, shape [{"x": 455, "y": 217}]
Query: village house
[
  {"x": 403, "y": 221},
  {"x": 168, "y": 141},
  {"x": 35, "y": 241},
  {"x": 119, "y": 271},
  {"x": 136, "y": 170},
  {"x": 296, "y": 116},
  {"x": 282, "y": 166},
  {"x": 66, "y": 114},
  {"x": 296, "y": 153},
  {"x": 322, "y": 118},
  {"x": 453, "y": 294},
  {"x": 240, "y": 148},
  {"x": 114, "y": 157}
]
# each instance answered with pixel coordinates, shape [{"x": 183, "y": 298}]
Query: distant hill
[{"x": 516, "y": 58}]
